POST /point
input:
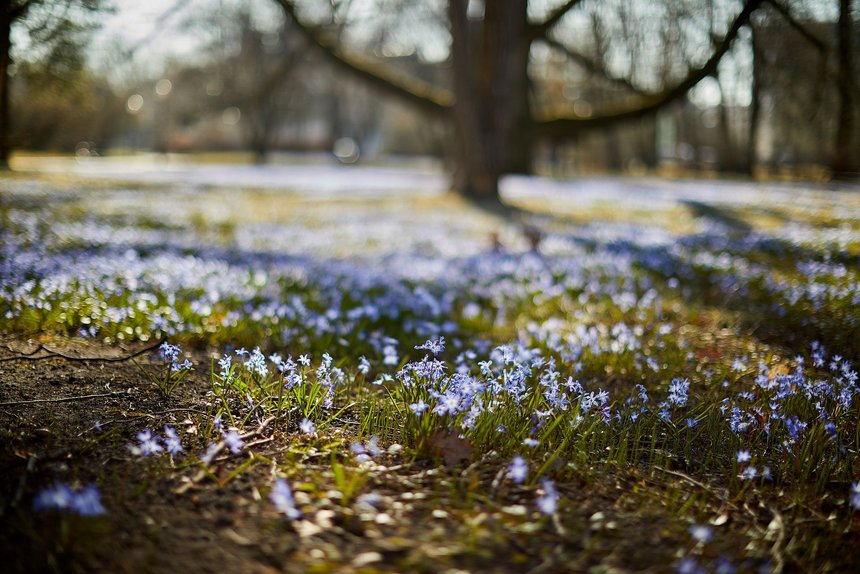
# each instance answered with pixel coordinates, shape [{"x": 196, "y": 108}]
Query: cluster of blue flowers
[
  {"x": 148, "y": 444},
  {"x": 171, "y": 353},
  {"x": 591, "y": 325},
  {"x": 85, "y": 502}
]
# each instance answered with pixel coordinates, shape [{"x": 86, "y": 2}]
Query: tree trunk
[
  {"x": 5, "y": 80},
  {"x": 491, "y": 109},
  {"x": 727, "y": 158},
  {"x": 488, "y": 106},
  {"x": 844, "y": 165},
  {"x": 755, "y": 104}
]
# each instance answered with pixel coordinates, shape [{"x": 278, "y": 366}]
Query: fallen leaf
[{"x": 452, "y": 447}]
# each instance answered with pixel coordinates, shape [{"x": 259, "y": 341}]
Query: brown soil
[
  {"x": 149, "y": 527},
  {"x": 430, "y": 519}
]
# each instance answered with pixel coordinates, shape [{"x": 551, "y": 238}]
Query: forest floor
[{"x": 618, "y": 376}]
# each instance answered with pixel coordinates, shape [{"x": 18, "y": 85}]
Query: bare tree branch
[
  {"x": 540, "y": 29},
  {"x": 567, "y": 126},
  {"x": 285, "y": 68},
  {"x": 595, "y": 68},
  {"x": 422, "y": 95},
  {"x": 159, "y": 27},
  {"x": 800, "y": 28}
]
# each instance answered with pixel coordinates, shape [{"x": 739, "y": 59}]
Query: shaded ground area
[{"x": 428, "y": 518}]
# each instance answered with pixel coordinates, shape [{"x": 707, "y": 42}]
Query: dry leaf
[{"x": 453, "y": 448}]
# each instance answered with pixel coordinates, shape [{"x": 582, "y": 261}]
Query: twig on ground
[
  {"x": 65, "y": 399},
  {"x": 38, "y": 348},
  {"x": 219, "y": 448},
  {"x": 55, "y": 354},
  {"x": 131, "y": 417},
  {"x": 776, "y": 551},
  {"x": 260, "y": 441},
  {"x": 697, "y": 483}
]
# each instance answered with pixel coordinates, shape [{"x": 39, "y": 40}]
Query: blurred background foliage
[{"x": 243, "y": 76}]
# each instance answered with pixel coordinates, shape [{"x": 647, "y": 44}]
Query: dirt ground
[{"x": 72, "y": 421}]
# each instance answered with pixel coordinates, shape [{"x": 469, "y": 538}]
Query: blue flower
[
  {"x": 282, "y": 497},
  {"x": 363, "y": 452},
  {"x": 678, "y": 389},
  {"x": 724, "y": 566},
  {"x": 234, "y": 442},
  {"x": 147, "y": 444},
  {"x": 87, "y": 502},
  {"x": 210, "y": 453},
  {"x": 168, "y": 352},
  {"x": 744, "y": 456},
  {"x": 795, "y": 427},
  {"x": 689, "y": 565},
  {"x": 518, "y": 469},
  {"x": 701, "y": 533},
  {"x": 749, "y": 473},
  {"x": 59, "y": 496},
  {"x": 372, "y": 446},
  {"x": 368, "y": 501},
  {"x": 363, "y": 365},
  {"x": 419, "y": 407},
  {"x": 171, "y": 353},
  {"x": 448, "y": 403},
  {"x": 855, "y": 495},
  {"x": 307, "y": 427},
  {"x": 171, "y": 441},
  {"x": 389, "y": 355},
  {"x": 257, "y": 363},
  {"x": 548, "y": 503},
  {"x": 434, "y": 346}
]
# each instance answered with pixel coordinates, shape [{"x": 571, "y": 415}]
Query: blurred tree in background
[
  {"x": 645, "y": 57},
  {"x": 558, "y": 87},
  {"x": 52, "y": 73}
]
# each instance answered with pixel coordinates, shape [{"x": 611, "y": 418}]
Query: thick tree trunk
[
  {"x": 844, "y": 159},
  {"x": 729, "y": 156},
  {"x": 755, "y": 104},
  {"x": 5, "y": 59},
  {"x": 491, "y": 109},
  {"x": 489, "y": 104}
]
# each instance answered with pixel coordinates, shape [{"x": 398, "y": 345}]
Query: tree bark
[
  {"x": 491, "y": 108},
  {"x": 844, "y": 165},
  {"x": 489, "y": 104},
  {"x": 755, "y": 104}
]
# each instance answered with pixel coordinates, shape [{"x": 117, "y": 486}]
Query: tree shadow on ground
[
  {"x": 763, "y": 317},
  {"x": 717, "y": 214}
]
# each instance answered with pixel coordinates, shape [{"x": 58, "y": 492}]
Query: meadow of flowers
[{"x": 692, "y": 337}]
